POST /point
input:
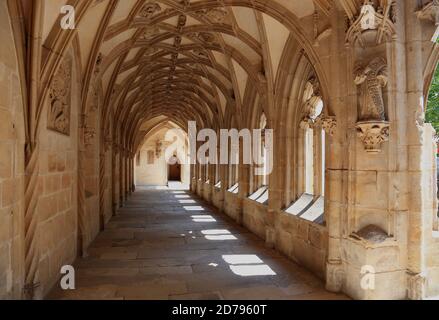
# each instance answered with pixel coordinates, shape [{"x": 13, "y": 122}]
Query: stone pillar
[
  {"x": 373, "y": 243},
  {"x": 115, "y": 178},
  {"x": 243, "y": 178},
  {"x": 337, "y": 150},
  {"x": 275, "y": 189},
  {"x": 422, "y": 200}
]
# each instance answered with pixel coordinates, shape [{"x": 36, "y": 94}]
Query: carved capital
[
  {"x": 328, "y": 123},
  {"x": 306, "y": 123},
  {"x": 373, "y": 134}
]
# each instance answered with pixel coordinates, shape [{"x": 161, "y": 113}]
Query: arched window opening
[
  {"x": 310, "y": 184},
  {"x": 432, "y": 117},
  {"x": 260, "y": 189},
  {"x": 309, "y": 161},
  {"x": 322, "y": 162}
]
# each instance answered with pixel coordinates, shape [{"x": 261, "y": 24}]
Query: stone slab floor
[{"x": 167, "y": 244}]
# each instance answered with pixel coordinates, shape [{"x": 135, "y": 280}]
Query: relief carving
[
  {"x": 373, "y": 23},
  {"x": 328, "y": 123},
  {"x": 373, "y": 134},
  {"x": 59, "y": 99},
  {"x": 371, "y": 80},
  {"x": 372, "y": 128},
  {"x": 313, "y": 108}
]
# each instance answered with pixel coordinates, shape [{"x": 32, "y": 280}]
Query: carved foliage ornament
[
  {"x": 373, "y": 134},
  {"x": 328, "y": 123},
  {"x": 59, "y": 99}
]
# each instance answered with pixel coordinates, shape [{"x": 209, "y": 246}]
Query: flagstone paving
[{"x": 168, "y": 244}]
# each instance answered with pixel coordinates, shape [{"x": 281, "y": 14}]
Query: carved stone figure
[
  {"x": 59, "y": 99},
  {"x": 313, "y": 104},
  {"x": 371, "y": 80}
]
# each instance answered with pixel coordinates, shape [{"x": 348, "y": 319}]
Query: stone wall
[
  {"x": 57, "y": 208},
  {"x": 12, "y": 137}
]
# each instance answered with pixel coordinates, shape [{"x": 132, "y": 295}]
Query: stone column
[
  {"x": 422, "y": 199},
  {"x": 275, "y": 188},
  {"x": 115, "y": 178},
  {"x": 337, "y": 150}
]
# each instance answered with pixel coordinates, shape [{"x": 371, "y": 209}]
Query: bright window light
[
  {"x": 242, "y": 259},
  {"x": 186, "y": 201},
  {"x": 205, "y": 218},
  {"x": 193, "y": 208},
  {"x": 214, "y": 232},
  {"x": 253, "y": 270},
  {"x": 221, "y": 237},
  {"x": 258, "y": 193}
]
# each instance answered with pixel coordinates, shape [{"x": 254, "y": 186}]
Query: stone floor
[{"x": 167, "y": 244}]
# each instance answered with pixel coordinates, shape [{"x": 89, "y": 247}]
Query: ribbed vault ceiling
[{"x": 184, "y": 60}]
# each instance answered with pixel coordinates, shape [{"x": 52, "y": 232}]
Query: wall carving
[
  {"x": 327, "y": 123},
  {"x": 59, "y": 99},
  {"x": 373, "y": 134},
  {"x": 313, "y": 109},
  {"x": 371, "y": 80},
  {"x": 373, "y": 24},
  {"x": 372, "y": 128}
]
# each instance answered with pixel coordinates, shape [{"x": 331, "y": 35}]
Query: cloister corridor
[
  {"x": 219, "y": 149},
  {"x": 168, "y": 244}
]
